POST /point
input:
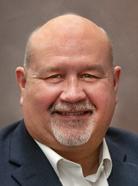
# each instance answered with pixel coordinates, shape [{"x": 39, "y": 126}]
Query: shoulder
[
  {"x": 122, "y": 141},
  {"x": 121, "y": 135},
  {"x": 6, "y": 132}
]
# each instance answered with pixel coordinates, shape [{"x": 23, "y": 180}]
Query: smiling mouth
[{"x": 75, "y": 113}]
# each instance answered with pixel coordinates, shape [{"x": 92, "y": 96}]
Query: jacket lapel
[
  {"x": 123, "y": 172},
  {"x": 31, "y": 167}
]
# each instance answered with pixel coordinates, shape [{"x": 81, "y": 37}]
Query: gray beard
[{"x": 72, "y": 133}]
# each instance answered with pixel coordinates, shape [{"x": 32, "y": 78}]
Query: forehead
[
  {"x": 79, "y": 53},
  {"x": 69, "y": 41}
]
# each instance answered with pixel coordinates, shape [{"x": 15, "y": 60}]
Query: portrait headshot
[{"x": 67, "y": 116}]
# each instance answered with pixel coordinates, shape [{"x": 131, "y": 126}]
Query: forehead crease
[{"x": 67, "y": 67}]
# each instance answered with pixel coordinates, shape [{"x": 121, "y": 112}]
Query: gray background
[{"x": 118, "y": 17}]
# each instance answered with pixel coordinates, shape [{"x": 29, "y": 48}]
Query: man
[{"x": 68, "y": 95}]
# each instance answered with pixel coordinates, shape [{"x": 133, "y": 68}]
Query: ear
[
  {"x": 21, "y": 80},
  {"x": 116, "y": 74}
]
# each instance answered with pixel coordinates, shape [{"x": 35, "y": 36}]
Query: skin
[{"x": 70, "y": 63}]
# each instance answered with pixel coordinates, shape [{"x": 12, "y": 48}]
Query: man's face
[{"x": 69, "y": 94}]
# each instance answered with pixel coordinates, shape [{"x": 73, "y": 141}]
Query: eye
[
  {"x": 54, "y": 78},
  {"x": 88, "y": 76},
  {"x": 58, "y": 76}
]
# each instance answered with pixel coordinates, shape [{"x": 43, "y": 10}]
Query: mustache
[{"x": 72, "y": 107}]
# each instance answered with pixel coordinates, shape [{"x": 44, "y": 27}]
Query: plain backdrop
[{"x": 119, "y": 18}]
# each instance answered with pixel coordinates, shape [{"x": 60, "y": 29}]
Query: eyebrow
[
  {"x": 96, "y": 67},
  {"x": 50, "y": 69}
]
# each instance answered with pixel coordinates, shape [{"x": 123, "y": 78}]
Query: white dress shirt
[{"x": 70, "y": 173}]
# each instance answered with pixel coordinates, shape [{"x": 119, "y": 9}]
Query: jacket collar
[{"x": 31, "y": 165}]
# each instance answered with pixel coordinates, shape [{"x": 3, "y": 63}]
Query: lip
[{"x": 73, "y": 115}]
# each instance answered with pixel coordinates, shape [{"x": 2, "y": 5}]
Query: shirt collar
[
  {"x": 104, "y": 160},
  {"x": 105, "y": 163},
  {"x": 51, "y": 155}
]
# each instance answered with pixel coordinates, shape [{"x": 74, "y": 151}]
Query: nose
[{"x": 73, "y": 92}]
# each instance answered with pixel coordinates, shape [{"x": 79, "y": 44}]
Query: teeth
[{"x": 74, "y": 113}]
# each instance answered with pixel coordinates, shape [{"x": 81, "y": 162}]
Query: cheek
[
  {"x": 41, "y": 96},
  {"x": 102, "y": 93},
  {"x": 103, "y": 96}
]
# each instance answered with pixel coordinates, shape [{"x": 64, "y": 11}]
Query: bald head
[{"x": 68, "y": 28}]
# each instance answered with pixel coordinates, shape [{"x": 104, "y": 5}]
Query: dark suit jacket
[{"x": 22, "y": 163}]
